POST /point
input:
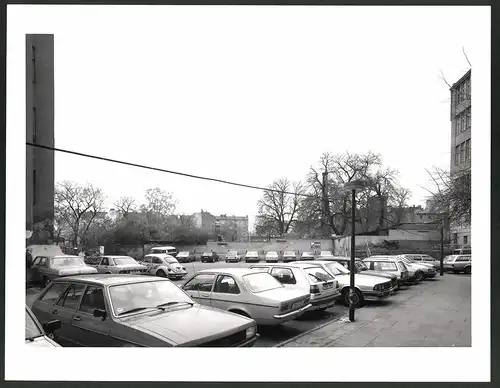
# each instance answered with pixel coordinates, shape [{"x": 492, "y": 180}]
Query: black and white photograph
[{"x": 264, "y": 177}]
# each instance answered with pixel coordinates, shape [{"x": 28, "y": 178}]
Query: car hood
[
  {"x": 189, "y": 325},
  {"x": 76, "y": 270},
  {"x": 43, "y": 342},
  {"x": 283, "y": 294},
  {"x": 380, "y": 274},
  {"x": 362, "y": 279}
]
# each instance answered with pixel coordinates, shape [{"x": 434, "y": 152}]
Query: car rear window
[
  {"x": 384, "y": 266},
  {"x": 260, "y": 282},
  {"x": 318, "y": 275},
  {"x": 289, "y": 253}
]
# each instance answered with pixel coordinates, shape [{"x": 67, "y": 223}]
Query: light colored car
[
  {"x": 253, "y": 294},
  {"x": 427, "y": 269},
  {"x": 105, "y": 310},
  {"x": 185, "y": 257},
  {"x": 321, "y": 285},
  {"x": 252, "y": 257},
  {"x": 389, "y": 264},
  {"x": 117, "y": 264},
  {"x": 172, "y": 251},
  {"x": 307, "y": 256},
  {"x": 368, "y": 287},
  {"x": 272, "y": 257},
  {"x": 289, "y": 256},
  {"x": 424, "y": 259},
  {"x": 37, "y": 335},
  {"x": 163, "y": 265},
  {"x": 233, "y": 257},
  {"x": 458, "y": 263},
  {"x": 325, "y": 254},
  {"x": 44, "y": 269},
  {"x": 415, "y": 274},
  {"x": 360, "y": 267}
]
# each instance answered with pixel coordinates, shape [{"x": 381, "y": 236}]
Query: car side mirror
[
  {"x": 98, "y": 313},
  {"x": 52, "y": 326}
]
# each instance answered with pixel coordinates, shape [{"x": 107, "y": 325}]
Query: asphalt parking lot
[{"x": 271, "y": 336}]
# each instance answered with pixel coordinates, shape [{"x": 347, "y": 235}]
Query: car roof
[
  {"x": 161, "y": 255},
  {"x": 107, "y": 279},
  {"x": 293, "y": 264},
  {"x": 116, "y": 256},
  {"x": 165, "y": 247},
  {"x": 272, "y": 251},
  {"x": 63, "y": 257},
  {"x": 385, "y": 258},
  {"x": 230, "y": 271}
]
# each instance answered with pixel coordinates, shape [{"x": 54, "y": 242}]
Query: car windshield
[
  {"x": 260, "y": 282},
  {"x": 289, "y": 253},
  {"x": 124, "y": 260},
  {"x": 336, "y": 268},
  {"x": 251, "y": 253},
  {"x": 145, "y": 295},
  {"x": 31, "y": 329},
  {"x": 385, "y": 266},
  {"x": 66, "y": 261},
  {"x": 232, "y": 253},
  {"x": 318, "y": 274},
  {"x": 272, "y": 254},
  {"x": 207, "y": 254}
]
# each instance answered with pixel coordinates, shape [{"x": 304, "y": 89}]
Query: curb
[{"x": 308, "y": 332}]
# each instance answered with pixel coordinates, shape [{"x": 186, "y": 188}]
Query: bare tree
[
  {"x": 77, "y": 206},
  {"x": 278, "y": 208},
  {"x": 159, "y": 202},
  {"x": 452, "y": 194},
  {"x": 124, "y": 206}
]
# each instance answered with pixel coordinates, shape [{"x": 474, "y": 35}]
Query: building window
[
  {"x": 463, "y": 118},
  {"x": 468, "y": 118},
  {"x": 466, "y": 240},
  {"x": 457, "y": 126},
  {"x": 34, "y": 187},
  {"x": 33, "y": 60},
  {"x": 457, "y": 155},
  {"x": 467, "y": 83},
  {"x": 467, "y": 150},
  {"x": 462, "y": 152}
]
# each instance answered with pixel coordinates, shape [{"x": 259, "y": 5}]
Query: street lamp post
[{"x": 352, "y": 186}]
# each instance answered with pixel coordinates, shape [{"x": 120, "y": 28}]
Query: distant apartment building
[
  {"x": 232, "y": 228},
  {"x": 205, "y": 222},
  {"x": 460, "y": 163},
  {"x": 39, "y": 130}
]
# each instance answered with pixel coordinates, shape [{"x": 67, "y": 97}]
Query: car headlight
[{"x": 250, "y": 332}]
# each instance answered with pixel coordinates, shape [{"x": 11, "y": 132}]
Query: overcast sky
[{"x": 248, "y": 94}]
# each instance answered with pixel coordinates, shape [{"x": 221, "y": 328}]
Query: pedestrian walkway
[{"x": 434, "y": 313}]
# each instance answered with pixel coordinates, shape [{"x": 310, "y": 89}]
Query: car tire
[
  {"x": 419, "y": 276},
  {"x": 45, "y": 281},
  {"x": 161, "y": 273},
  {"x": 467, "y": 270},
  {"x": 359, "y": 295}
]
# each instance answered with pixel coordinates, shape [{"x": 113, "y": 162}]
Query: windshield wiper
[
  {"x": 314, "y": 276},
  {"x": 163, "y": 305},
  {"x": 134, "y": 310}
]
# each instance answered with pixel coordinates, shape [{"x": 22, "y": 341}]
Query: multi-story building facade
[
  {"x": 460, "y": 163},
  {"x": 232, "y": 228},
  {"x": 205, "y": 222},
  {"x": 39, "y": 130}
]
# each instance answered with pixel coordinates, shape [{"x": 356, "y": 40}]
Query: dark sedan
[
  {"x": 209, "y": 257},
  {"x": 136, "y": 311}
]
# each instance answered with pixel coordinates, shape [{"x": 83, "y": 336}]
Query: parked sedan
[
  {"x": 368, "y": 287},
  {"x": 458, "y": 263},
  {"x": 136, "y": 311},
  {"x": 388, "y": 264},
  {"x": 322, "y": 286},
  {"x": 252, "y": 257},
  {"x": 233, "y": 257},
  {"x": 289, "y": 256},
  {"x": 272, "y": 257},
  {"x": 44, "y": 269},
  {"x": 118, "y": 264},
  {"x": 37, "y": 335},
  {"x": 252, "y": 294},
  {"x": 424, "y": 259},
  {"x": 307, "y": 256},
  {"x": 209, "y": 257},
  {"x": 427, "y": 270},
  {"x": 164, "y": 266},
  {"x": 185, "y": 257},
  {"x": 360, "y": 267}
]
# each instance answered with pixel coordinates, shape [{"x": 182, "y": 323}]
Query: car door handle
[
  {"x": 205, "y": 295},
  {"x": 77, "y": 318},
  {"x": 55, "y": 312}
]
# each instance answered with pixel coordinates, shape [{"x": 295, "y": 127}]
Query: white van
[{"x": 172, "y": 251}]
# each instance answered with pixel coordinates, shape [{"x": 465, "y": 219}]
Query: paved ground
[{"x": 430, "y": 314}]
